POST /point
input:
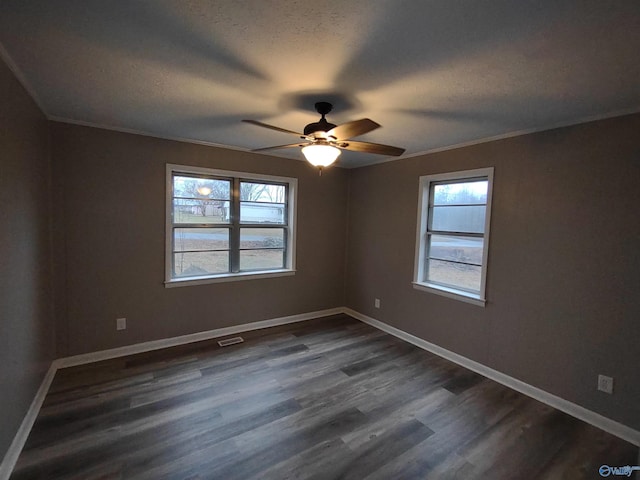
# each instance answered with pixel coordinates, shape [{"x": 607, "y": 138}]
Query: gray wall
[
  {"x": 563, "y": 277},
  {"x": 110, "y": 204},
  {"x": 27, "y": 343},
  {"x": 563, "y": 281}
]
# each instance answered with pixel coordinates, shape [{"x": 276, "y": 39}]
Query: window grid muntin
[
  {"x": 450, "y": 285},
  {"x": 278, "y": 227},
  {"x": 285, "y": 242},
  {"x": 195, "y": 225},
  {"x": 175, "y": 197},
  {"x": 286, "y": 203},
  {"x": 173, "y": 265},
  {"x": 430, "y": 232},
  {"x": 234, "y": 225}
]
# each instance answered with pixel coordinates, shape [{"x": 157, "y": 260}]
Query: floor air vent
[{"x": 230, "y": 341}]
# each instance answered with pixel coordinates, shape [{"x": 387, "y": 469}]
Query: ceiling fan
[{"x": 323, "y": 140}]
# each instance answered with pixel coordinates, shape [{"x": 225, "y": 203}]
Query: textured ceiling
[{"x": 433, "y": 73}]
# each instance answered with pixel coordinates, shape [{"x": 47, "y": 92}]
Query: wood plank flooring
[{"x": 330, "y": 398}]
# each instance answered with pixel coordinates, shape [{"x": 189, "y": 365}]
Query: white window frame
[
  {"x": 419, "y": 270},
  {"x": 290, "y": 255}
]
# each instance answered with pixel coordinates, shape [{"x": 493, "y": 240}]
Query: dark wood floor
[{"x": 326, "y": 399}]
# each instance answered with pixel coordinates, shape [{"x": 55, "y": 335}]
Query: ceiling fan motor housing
[{"x": 322, "y": 125}]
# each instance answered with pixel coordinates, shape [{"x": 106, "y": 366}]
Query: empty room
[{"x": 319, "y": 240}]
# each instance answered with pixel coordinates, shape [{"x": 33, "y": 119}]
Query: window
[
  {"x": 224, "y": 226},
  {"x": 453, "y": 234}
]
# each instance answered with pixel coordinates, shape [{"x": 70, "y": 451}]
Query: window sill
[
  {"x": 451, "y": 293},
  {"x": 227, "y": 277}
]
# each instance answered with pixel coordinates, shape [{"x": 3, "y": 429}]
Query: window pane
[
  {"x": 201, "y": 188},
  {"x": 458, "y": 219},
  {"x": 262, "y": 192},
  {"x": 454, "y": 274},
  {"x": 261, "y": 259},
  {"x": 192, "y": 264},
  {"x": 200, "y": 239},
  {"x": 254, "y": 212},
  {"x": 200, "y": 211},
  {"x": 464, "y": 193},
  {"x": 261, "y": 238},
  {"x": 459, "y": 249}
]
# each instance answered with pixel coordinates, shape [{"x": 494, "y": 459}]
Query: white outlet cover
[
  {"x": 605, "y": 384},
  {"x": 376, "y": 303},
  {"x": 121, "y": 323}
]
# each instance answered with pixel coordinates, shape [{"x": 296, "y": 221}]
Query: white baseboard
[
  {"x": 193, "y": 337},
  {"x": 581, "y": 413},
  {"x": 11, "y": 457},
  {"x": 606, "y": 424}
]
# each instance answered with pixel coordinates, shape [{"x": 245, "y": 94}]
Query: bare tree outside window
[
  {"x": 202, "y": 197},
  {"x": 251, "y": 192}
]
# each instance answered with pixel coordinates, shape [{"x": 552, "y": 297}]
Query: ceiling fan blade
[
  {"x": 291, "y": 145},
  {"x": 372, "y": 148},
  {"x": 272, "y": 127},
  {"x": 353, "y": 129}
]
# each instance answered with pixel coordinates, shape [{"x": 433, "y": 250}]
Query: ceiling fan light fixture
[
  {"x": 324, "y": 138},
  {"x": 320, "y": 155}
]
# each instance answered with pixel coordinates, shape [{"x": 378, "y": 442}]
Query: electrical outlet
[
  {"x": 605, "y": 384},
  {"x": 121, "y": 323},
  {"x": 376, "y": 303}
]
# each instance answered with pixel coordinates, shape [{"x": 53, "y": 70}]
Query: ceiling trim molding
[
  {"x": 133, "y": 131},
  {"x": 504, "y": 136},
  {"x": 517, "y": 133},
  {"x": 13, "y": 67}
]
